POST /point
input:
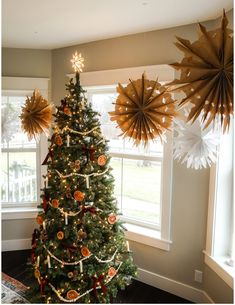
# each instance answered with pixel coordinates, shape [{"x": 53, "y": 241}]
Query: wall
[
  {"x": 190, "y": 187},
  {"x": 26, "y": 62},
  {"x": 23, "y": 63}
]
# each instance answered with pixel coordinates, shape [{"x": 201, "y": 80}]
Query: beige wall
[
  {"x": 216, "y": 288},
  {"x": 26, "y": 62},
  {"x": 190, "y": 187}
]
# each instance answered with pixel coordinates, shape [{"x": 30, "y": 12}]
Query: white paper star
[
  {"x": 195, "y": 146},
  {"x": 77, "y": 62}
]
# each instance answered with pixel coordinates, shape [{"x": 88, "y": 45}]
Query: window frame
[
  {"x": 107, "y": 79},
  {"x": 20, "y": 86},
  {"x": 216, "y": 261}
]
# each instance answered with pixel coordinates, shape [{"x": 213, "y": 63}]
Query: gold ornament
[
  {"x": 102, "y": 160},
  {"x": 143, "y": 110},
  {"x": 76, "y": 165},
  {"x": 207, "y": 74},
  {"x": 37, "y": 273},
  {"x": 72, "y": 294},
  {"x": 70, "y": 275},
  {"x": 36, "y": 115},
  {"x": 81, "y": 234},
  {"x": 60, "y": 235}
]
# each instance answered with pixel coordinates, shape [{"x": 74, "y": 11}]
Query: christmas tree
[{"x": 79, "y": 253}]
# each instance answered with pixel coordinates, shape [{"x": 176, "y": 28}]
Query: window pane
[
  {"x": 103, "y": 103},
  {"x": 142, "y": 190},
  {"x": 22, "y": 177},
  {"x": 12, "y": 134},
  {"x": 4, "y": 177},
  {"x": 116, "y": 164}
]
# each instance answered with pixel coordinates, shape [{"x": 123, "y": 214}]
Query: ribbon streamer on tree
[
  {"x": 90, "y": 153},
  {"x": 99, "y": 282}
]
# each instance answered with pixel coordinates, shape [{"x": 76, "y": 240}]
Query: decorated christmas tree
[{"x": 79, "y": 253}]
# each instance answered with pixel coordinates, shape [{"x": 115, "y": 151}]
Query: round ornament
[
  {"x": 78, "y": 196},
  {"x": 67, "y": 110},
  {"x": 70, "y": 275},
  {"x": 77, "y": 164},
  {"x": 39, "y": 220},
  {"x": 85, "y": 251},
  {"x": 55, "y": 203},
  {"x": 36, "y": 115},
  {"x": 112, "y": 271},
  {"x": 58, "y": 140},
  {"x": 60, "y": 235},
  {"x": 112, "y": 219},
  {"x": 81, "y": 234},
  {"x": 72, "y": 294},
  {"x": 37, "y": 273},
  {"x": 102, "y": 160}
]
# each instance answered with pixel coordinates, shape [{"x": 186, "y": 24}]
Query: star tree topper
[{"x": 77, "y": 62}]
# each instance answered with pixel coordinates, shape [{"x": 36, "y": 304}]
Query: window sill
[
  {"x": 218, "y": 265},
  {"x": 19, "y": 213},
  {"x": 146, "y": 236}
]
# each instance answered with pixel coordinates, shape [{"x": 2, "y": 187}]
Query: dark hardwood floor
[{"x": 14, "y": 264}]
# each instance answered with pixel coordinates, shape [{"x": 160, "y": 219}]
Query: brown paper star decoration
[
  {"x": 207, "y": 74},
  {"x": 143, "y": 110},
  {"x": 36, "y": 115}
]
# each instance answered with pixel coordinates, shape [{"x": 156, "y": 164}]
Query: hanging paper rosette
[
  {"x": 36, "y": 115},
  {"x": 195, "y": 145},
  {"x": 206, "y": 75}
]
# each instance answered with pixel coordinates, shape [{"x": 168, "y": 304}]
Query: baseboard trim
[
  {"x": 156, "y": 280},
  {"x": 16, "y": 244},
  {"x": 182, "y": 290}
]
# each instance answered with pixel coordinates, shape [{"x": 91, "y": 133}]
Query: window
[
  {"x": 20, "y": 158},
  {"x": 219, "y": 253},
  {"x": 19, "y": 166},
  {"x": 137, "y": 170},
  {"x": 143, "y": 176}
]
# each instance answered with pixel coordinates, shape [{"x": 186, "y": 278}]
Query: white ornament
[{"x": 194, "y": 145}]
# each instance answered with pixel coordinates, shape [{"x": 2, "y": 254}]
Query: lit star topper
[{"x": 77, "y": 62}]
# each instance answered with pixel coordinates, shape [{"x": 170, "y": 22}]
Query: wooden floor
[{"x": 14, "y": 264}]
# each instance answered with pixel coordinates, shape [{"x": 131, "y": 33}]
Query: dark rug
[{"x": 13, "y": 291}]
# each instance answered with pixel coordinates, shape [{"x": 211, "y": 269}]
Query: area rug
[{"x": 13, "y": 291}]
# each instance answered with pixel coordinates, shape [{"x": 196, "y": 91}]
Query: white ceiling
[{"x": 50, "y": 24}]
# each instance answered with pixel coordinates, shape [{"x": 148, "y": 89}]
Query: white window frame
[
  {"x": 21, "y": 86},
  {"x": 94, "y": 80},
  {"x": 214, "y": 256}
]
